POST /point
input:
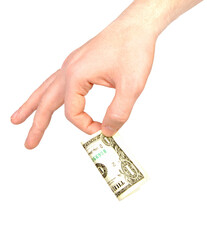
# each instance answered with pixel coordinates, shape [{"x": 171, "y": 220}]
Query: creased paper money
[{"x": 121, "y": 174}]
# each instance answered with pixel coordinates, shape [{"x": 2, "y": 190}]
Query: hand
[{"x": 119, "y": 57}]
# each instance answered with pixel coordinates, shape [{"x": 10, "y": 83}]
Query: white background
[{"x": 54, "y": 191}]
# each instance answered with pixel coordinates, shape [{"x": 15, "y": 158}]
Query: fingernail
[{"x": 14, "y": 115}]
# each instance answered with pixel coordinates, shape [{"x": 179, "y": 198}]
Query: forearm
[
  {"x": 158, "y": 14},
  {"x": 169, "y": 10}
]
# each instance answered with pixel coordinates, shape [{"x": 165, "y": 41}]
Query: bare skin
[{"x": 119, "y": 57}]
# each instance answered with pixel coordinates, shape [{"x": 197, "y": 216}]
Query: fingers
[
  {"x": 32, "y": 103},
  {"x": 74, "y": 111},
  {"x": 118, "y": 112},
  {"x": 52, "y": 100}
]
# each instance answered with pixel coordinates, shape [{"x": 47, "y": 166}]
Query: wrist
[
  {"x": 150, "y": 16},
  {"x": 154, "y": 15},
  {"x": 158, "y": 14}
]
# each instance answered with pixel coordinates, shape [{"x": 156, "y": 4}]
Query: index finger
[{"x": 74, "y": 111}]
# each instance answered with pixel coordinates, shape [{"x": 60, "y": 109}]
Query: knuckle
[
  {"x": 140, "y": 87},
  {"x": 38, "y": 126},
  {"x": 72, "y": 71},
  {"x": 130, "y": 92},
  {"x": 68, "y": 60},
  {"x": 119, "y": 117},
  {"x": 133, "y": 86},
  {"x": 70, "y": 66},
  {"x": 68, "y": 115},
  {"x": 133, "y": 93}
]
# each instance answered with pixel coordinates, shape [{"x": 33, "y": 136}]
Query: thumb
[{"x": 118, "y": 112}]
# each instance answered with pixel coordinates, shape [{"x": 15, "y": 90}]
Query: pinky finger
[
  {"x": 52, "y": 100},
  {"x": 33, "y": 101}
]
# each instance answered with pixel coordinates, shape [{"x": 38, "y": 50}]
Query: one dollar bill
[{"x": 121, "y": 174}]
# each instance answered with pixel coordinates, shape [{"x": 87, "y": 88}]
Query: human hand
[{"x": 119, "y": 57}]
